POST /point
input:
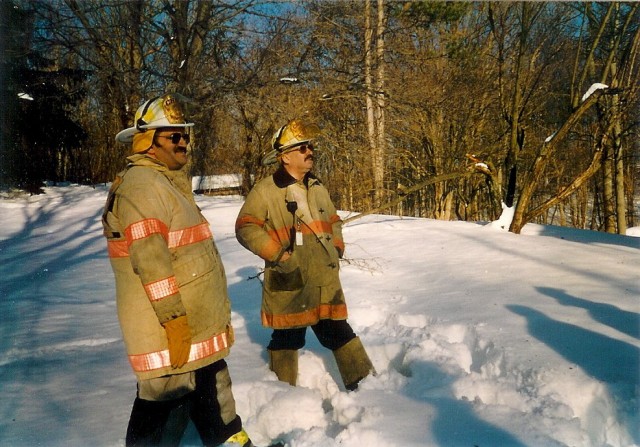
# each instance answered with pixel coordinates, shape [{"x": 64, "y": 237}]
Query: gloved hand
[{"x": 179, "y": 338}]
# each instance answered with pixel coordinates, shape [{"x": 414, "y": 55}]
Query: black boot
[{"x": 157, "y": 423}]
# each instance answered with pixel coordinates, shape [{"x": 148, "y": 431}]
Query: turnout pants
[
  {"x": 164, "y": 406},
  {"x": 332, "y": 334}
]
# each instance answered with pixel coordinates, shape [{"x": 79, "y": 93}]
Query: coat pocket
[
  {"x": 285, "y": 281},
  {"x": 192, "y": 263}
]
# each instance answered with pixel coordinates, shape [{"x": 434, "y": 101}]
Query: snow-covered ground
[{"x": 480, "y": 337}]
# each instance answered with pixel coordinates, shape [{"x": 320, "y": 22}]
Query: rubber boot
[
  {"x": 353, "y": 363},
  {"x": 157, "y": 422},
  {"x": 240, "y": 439},
  {"x": 284, "y": 362}
]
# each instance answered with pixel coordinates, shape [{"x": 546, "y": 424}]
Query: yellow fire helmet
[
  {"x": 163, "y": 111},
  {"x": 292, "y": 134}
]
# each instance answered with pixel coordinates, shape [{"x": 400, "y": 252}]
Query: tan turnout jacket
[
  {"x": 281, "y": 214},
  {"x": 165, "y": 265}
]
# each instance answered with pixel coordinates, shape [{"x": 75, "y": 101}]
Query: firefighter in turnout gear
[
  {"x": 289, "y": 220},
  {"x": 171, "y": 288}
]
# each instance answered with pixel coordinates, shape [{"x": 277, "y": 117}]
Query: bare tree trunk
[
  {"x": 534, "y": 176},
  {"x": 628, "y": 76},
  {"x": 608, "y": 146},
  {"x": 617, "y": 165},
  {"x": 588, "y": 64},
  {"x": 516, "y": 138},
  {"x": 621, "y": 203},
  {"x": 186, "y": 41},
  {"x": 618, "y": 158},
  {"x": 380, "y": 104},
  {"x": 375, "y": 111},
  {"x": 614, "y": 205},
  {"x": 596, "y": 162},
  {"x": 608, "y": 196},
  {"x": 368, "y": 82}
]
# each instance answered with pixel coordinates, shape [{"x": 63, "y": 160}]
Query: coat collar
[
  {"x": 178, "y": 177},
  {"x": 282, "y": 178},
  {"x": 146, "y": 160}
]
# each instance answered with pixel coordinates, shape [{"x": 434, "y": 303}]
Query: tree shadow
[
  {"x": 246, "y": 301},
  {"x": 456, "y": 422},
  {"x": 610, "y": 361},
  {"x": 40, "y": 349},
  {"x": 589, "y": 236},
  {"x": 607, "y": 314}
]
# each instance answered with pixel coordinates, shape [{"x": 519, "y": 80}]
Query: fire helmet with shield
[
  {"x": 162, "y": 111},
  {"x": 295, "y": 133}
]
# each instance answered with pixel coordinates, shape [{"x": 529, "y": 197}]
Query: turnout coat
[
  {"x": 166, "y": 265},
  {"x": 281, "y": 214}
]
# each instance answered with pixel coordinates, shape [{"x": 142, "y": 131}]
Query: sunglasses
[
  {"x": 176, "y": 137},
  {"x": 303, "y": 148}
]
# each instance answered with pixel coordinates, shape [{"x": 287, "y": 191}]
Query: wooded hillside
[{"x": 445, "y": 110}]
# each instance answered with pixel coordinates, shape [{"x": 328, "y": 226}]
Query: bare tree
[
  {"x": 374, "y": 69},
  {"x": 477, "y": 95},
  {"x": 607, "y": 142}
]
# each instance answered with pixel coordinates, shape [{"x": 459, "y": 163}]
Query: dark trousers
[
  {"x": 332, "y": 334},
  {"x": 162, "y": 423}
]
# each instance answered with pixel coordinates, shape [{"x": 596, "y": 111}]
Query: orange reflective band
[
  {"x": 338, "y": 243},
  {"x": 118, "y": 249},
  {"x": 281, "y": 234},
  {"x": 175, "y": 239},
  {"x": 317, "y": 227},
  {"x": 309, "y": 317},
  {"x": 189, "y": 235},
  {"x": 248, "y": 220},
  {"x": 160, "y": 359},
  {"x": 161, "y": 289},
  {"x": 145, "y": 228},
  {"x": 270, "y": 251}
]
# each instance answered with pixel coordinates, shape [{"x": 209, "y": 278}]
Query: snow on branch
[{"x": 593, "y": 88}]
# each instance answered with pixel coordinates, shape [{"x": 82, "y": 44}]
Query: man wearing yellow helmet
[
  {"x": 289, "y": 220},
  {"x": 171, "y": 288}
]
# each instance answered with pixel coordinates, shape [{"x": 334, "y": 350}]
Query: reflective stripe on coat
[
  {"x": 166, "y": 265},
  {"x": 306, "y": 288}
]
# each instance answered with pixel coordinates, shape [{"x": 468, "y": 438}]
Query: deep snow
[{"x": 480, "y": 337}]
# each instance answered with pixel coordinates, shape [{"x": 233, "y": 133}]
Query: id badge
[{"x": 298, "y": 238}]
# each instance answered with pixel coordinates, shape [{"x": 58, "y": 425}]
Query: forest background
[{"x": 447, "y": 110}]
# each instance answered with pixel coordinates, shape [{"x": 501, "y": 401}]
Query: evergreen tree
[
  {"x": 39, "y": 136},
  {"x": 12, "y": 57}
]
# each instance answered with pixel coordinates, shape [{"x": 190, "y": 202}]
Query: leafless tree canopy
[{"x": 447, "y": 110}]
